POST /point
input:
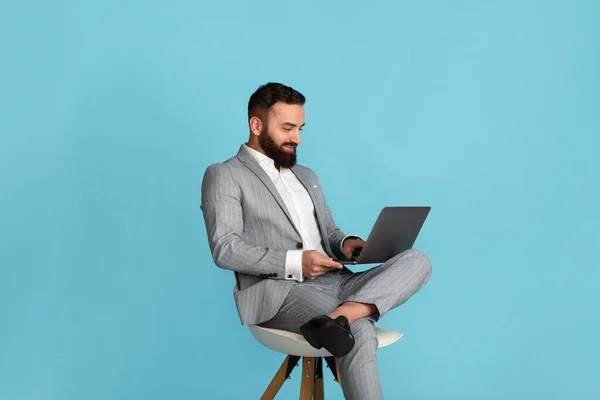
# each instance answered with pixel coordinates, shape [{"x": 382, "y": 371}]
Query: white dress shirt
[{"x": 301, "y": 208}]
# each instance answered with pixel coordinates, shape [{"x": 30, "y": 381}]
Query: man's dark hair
[{"x": 267, "y": 95}]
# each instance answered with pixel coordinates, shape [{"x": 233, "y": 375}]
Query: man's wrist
[{"x": 348, "y": 237}]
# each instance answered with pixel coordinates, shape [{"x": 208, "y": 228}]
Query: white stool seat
[{"x": 294, "y": 344}]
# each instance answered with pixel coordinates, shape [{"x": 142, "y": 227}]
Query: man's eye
[{"x": 287, "y": 129}]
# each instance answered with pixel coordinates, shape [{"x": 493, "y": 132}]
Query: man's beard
[{"x": 281, "y": 157}]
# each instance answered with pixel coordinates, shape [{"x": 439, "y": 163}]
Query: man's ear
[{"x": 256, "y": 125}]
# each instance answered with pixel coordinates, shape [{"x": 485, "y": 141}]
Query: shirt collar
[{"x": 260, "y": 158}]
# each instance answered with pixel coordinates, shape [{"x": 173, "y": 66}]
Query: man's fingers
[
  {"x": 326, "y": 262},
  {"x": 333, "y": 264},
  {"x": 319, "y": 268}
]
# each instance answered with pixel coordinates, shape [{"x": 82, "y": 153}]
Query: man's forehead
[{"x": 283, "y": 110}]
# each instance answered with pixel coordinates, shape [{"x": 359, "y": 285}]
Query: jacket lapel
[{"x": 253, "y": 166}]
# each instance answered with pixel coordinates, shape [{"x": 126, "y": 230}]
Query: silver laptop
[{"x": 395, "y": 231}]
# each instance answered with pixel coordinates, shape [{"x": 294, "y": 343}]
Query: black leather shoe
[{"x": 332, "y": 334}]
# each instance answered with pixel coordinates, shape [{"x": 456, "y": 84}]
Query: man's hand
[
  {"x": 352, "y": 247},
  {"x": 315, "y": 264}
]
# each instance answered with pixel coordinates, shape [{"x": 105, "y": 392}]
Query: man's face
[{"x": 280, "y": 137}]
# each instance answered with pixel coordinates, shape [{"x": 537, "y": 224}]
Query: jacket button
[{"x": 299, "y": 246}]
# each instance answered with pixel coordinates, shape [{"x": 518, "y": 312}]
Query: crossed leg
[
  {"x": 360, "y": 378},
  {"x": 356, "y": 295}
]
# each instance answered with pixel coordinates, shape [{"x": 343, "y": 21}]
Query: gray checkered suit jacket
[{"x": 250, "y": 230}]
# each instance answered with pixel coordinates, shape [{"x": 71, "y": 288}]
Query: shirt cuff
[
  {"x": 293, "y": 265},
  {"x": 348, "y": 237}
]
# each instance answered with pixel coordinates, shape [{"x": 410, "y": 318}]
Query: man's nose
[{"x": 295, "y": 137}]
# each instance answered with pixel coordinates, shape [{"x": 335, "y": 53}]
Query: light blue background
[{"x": 110, "y": 111}]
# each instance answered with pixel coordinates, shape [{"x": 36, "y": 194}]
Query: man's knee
[{"x": 420, "y": 257}]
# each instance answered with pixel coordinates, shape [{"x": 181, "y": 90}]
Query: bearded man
[{"x": 267, "y": 221}]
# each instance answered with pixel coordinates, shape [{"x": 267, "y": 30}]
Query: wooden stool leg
[
  {"x": 337, "y": 369},
  {"x": 308, "y": 378},
  {"x": 284, "y": 371},
  {"x": 318, "y": 392}
]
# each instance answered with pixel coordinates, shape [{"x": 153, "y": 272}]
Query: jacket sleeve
[
  {"x": 223, "y": 216},
  {"x": 335, "y": 236}
]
